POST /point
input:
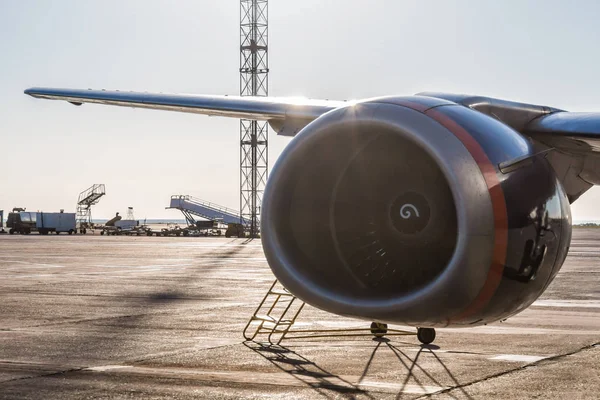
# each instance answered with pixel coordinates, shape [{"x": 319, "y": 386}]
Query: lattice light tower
[{"x": 254, "y": 81}]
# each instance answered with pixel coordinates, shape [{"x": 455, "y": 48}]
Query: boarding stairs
[
  {"x": 274, "y": 316},
  {"x": 89, "y": 197},
  {"x": 191, "y": 206}
]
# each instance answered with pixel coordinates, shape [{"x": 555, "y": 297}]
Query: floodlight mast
[{"x": 254, "y": 81}]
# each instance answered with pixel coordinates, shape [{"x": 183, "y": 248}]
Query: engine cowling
[{"x": 414, "y": 210}]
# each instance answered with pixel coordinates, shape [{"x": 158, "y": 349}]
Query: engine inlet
[{"x": 393, "y": 215}]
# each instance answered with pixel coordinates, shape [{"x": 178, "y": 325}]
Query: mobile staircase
[
  {"x": 89, "y": 197},
  {"x": 192, "y": 207}
]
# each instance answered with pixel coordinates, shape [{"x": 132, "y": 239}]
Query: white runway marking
[
  {"x": 209, "y": 246},
  {"x": 520, "y": 330},
  {"x": 37, "y": 265},
  {"x": 568, "y": 303},
  {"x": 142, "y": 267},
  {"x": 411, "y": 389},
  {"x": 105, "y": 368},
  {"x": 517, "y": 358},
  {"x": 7, "y": 257}
]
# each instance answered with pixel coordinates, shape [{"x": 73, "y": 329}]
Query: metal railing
[
  {"x": 207, "y": 204},
  {"x": 91, "y": 195}
]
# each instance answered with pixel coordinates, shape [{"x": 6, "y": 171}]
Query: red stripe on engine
[
  {"x": 490, "y": 176},
  {"x": 496, "y": 270}
]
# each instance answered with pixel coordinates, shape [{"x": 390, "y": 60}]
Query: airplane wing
[
  {"x": 577, "y": 132},
  {"x": 571, "y": 131},
  {"x": 286, "y": 115},
  {"x": 574, "y": 136}
]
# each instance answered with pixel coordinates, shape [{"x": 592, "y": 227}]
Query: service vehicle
[{"x": 57, "y": 222}]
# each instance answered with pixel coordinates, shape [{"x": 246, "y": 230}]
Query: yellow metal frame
[
  {"x": 279, "y": 321},
  {"x": 344, "y": 332}
]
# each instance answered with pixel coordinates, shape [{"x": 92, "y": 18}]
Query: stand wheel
[
  {"x": 378, "y": 329},
  {"x": 426, "y": 335}
]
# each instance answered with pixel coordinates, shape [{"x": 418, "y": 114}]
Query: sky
[{"x": 542, "y": 52}]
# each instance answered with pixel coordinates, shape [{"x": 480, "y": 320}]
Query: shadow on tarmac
[
  {"x": 125, "y": 334},
  {"x": 307, "y": 371},
  {"x": 411, "y": 364},
  {"x": 322, "y": 381}
]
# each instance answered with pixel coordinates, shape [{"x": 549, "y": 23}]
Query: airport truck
[
  {"x": 55, "y": 222},
  {"x": 234, "y": 229},
  {"x": 24, "y": 222},
  {"x": 21, "y": 221}
]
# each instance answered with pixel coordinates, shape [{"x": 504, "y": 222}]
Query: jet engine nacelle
[{"x": 417, "y": 211}]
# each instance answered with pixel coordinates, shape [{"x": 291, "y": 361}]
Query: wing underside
[
  {"x": 570, "y": 131},
  {"x": 286, "y": 115},
  {"x": 576, "y": 139}
]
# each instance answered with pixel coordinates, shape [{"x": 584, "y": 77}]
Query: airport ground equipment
[
  {"x": 212, "y": 215},
  {"x": 127, "y": 223},
  {"x": 119, "y": 226},
  {"x": 175, "y": 230},
  {"x": 201, "y": 228},
  {"x": 276, "y": 314},
  {"x": 130, "y": 231},
  {"x": 207, "y": 228},
  {"x": 21, "y": 221},
  {"x": 191, "y": 206},
  {"x": 88, "y": 198},
  {"x": 235, "y": 230},
  {"x": 113, "y": 220},
  {"x": 2, "y": 222},
  {"x": 60, "y": 222},
  {"x": 254, "y": 81}
]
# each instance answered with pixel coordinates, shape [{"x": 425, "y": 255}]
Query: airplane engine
[{"x": 417, "y": 211}]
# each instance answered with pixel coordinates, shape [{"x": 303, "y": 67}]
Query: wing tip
[{"x": 34, "y": 91}]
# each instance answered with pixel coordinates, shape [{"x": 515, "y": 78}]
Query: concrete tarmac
[{"x": 99, "y": 317}]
